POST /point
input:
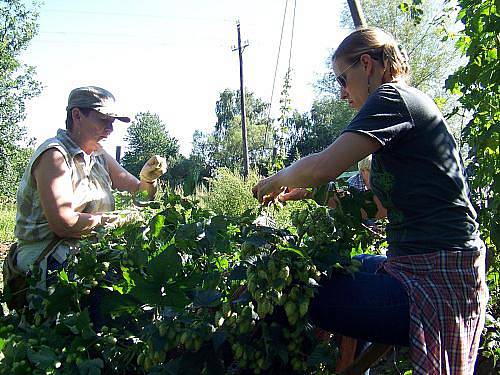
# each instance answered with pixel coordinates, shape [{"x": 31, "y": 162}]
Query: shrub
[
  {"x": 7, "y": 222},
  {"x": 229, "y": 194}
]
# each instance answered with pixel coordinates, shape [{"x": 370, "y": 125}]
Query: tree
[
  {"x": 227, "y": 150},
  {"x": 12, "y": 171},
  {"x": 478, "y": 83},
  {"x": 228, "y": 107},
  {"x": 148, "y": 136},
  {"x": 316, "y": 130},
  {"x": 18, "y": 25},
  {"x": 428, "y": 39},
  {"x": 430, "y": 48},
  {"x": 223, "y": 147}
]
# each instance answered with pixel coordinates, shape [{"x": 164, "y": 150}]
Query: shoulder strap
[{"x": 47, "y": 250}]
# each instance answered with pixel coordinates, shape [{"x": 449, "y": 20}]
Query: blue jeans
[{"x": 371, "y": 306}]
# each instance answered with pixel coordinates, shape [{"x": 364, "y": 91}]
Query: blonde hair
[
  {"x": 380, "y": 45},
  {"x": 365, "y": 163}
]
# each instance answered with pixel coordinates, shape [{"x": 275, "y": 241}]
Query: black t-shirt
[{"x": 418, "y": 174}]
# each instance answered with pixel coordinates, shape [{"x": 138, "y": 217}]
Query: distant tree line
[{"x": 291, "y": 136}]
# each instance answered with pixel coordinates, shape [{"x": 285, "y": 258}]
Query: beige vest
[{"x": 91, "y": 194}]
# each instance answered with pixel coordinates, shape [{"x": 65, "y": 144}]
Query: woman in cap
[{"x": 66, "y": 189}]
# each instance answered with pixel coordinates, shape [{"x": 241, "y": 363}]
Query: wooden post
[
  {"x": 242, "y": 104},
  {"x": 357, "y": 13},
  {"x": 118, "y": 153}
]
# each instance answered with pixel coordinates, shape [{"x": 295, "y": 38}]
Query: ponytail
[{"x": 380, "y": 46}]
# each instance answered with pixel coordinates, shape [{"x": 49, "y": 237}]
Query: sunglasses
[{"x": 341, "y": 78}]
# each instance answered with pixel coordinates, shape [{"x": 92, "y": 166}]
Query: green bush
[
  {"x": 229, "y": 194},
  {"x": 12, "y": 165},
  {"x": 186, "y": 292},
  {"x": 7, "y": 222}
]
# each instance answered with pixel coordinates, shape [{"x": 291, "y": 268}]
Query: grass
[{"x": 7, "y": 222}]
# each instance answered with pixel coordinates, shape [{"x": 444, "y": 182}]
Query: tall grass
[{"x": 7, "y": 222}]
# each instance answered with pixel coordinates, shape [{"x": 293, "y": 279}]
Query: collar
[{"x": 71, "y": 146}]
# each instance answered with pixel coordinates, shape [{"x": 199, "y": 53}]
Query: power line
[
  {"x": 291, "y": 38},
  {"x": 141, "y": 15},
  {"x": 131, "y": 38},
  {"x": 124, "y": 43},
  {"x": 275, "y": 73}
]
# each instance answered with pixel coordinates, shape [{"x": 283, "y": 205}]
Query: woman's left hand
[
  {"x": 294, "y": 194},
  {"x": 153, "y": 169}
]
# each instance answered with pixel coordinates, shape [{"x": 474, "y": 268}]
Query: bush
[
  {"x": 229, "y": 194},
  {"x": 186, "y": 292},
  {"x": 7, "y": 222},
  {"x": 12, "y": 165}
]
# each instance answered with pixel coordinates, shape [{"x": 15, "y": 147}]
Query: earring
[{"x": 369, "y": 86}]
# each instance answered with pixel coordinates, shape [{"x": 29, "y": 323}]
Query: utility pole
[
  {"x": 357, "y": 13},
  {"x": 118, "y": 153},
  {"x": 242, "y": 103}
]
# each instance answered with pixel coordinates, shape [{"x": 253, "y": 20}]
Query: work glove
[{"x": 154, "y": 168}]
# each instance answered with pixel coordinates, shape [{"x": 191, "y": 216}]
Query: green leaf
[
  {"x": 257, "y": 241},
  {"x": 206, "y": 298},
  {"x": 292, "y": 249},
  {"x": 64, "y": 293},
  {"x": 154, "y": 205},
  {"x": 116, "y": 303},
  {"x": 189, "y": 184},
  {"x": 43, "y": 358},
  {"x": 164, "y": 266},
  {"x": 321, "y": 354},
  {"x": 63, "y": 276},
  {"x": 156, "y": 225},
  {"x": 176, "y": 298},
  {"x": 238, "y": 273},
  {"x": 91, "y": 367}
]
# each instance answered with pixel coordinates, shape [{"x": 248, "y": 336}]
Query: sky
[{"x": 174, "y": 57}]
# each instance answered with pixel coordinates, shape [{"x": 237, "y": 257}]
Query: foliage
[
  {"x": 478, "y": 84},
  {"x": 282, "y": 130},
  {"x": 488, "y": 362},
  {"x": 187, "y": 292},
  {"x": 229, "y": 194},
  {"x": 429, "y": 42},
  {"x": 147, "y": 136},
  {"x": 18, "y": 25},
  {"x": 7, "y": 221},
  {"x": 187, "y": 173},
  {"x": 13, "y": 163},
  {"x": 228, "y": 107},
  {"x": 223, "y": 147},
  {"x": 228, "y": 150},
  {"x": 314, "y": 131}
]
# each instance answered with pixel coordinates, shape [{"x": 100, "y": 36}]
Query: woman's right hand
[{"x": 267, "y": 189}]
